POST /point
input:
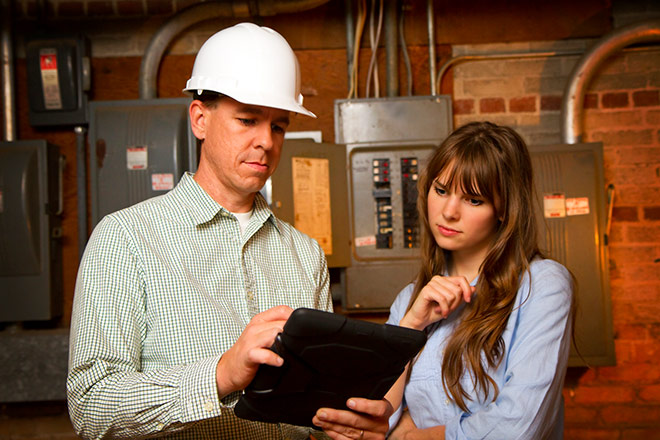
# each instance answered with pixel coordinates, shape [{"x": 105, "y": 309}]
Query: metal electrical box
[
  {"x": 388, "y": 141},
  {"x": 30, "y": 250},
  {"x": 308, "y": 190},
  {"x": 572, "y": 219},
  {"x": 59, "y": 77},
  {"x": 138, "y": 149}
]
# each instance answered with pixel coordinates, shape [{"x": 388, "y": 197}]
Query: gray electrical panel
[
  {"x": 30, "y": 251},
  {"x": 388, "y": 141},
  {"x": 138, "y": 149},
  {"x": 573, "y": 223}
]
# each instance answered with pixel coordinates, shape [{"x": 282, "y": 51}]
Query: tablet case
[{"x": 328, "y": 358}]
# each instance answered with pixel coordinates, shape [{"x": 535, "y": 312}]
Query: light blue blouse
[{"x": 530, "y": 377}]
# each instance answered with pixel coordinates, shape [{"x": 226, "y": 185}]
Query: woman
[{"x": 498, "y": 314}]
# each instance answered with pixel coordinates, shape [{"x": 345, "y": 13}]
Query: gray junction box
[{"x": 138, "y": 149}]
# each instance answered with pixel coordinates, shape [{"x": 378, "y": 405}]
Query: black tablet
[{"x": 328, "y": 358}]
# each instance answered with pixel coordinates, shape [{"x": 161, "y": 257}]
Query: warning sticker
[
  {"x": 49, "y": 80},
  {"x": 577, "y": 206},
  {"x": 369, "y": 240},
  {"x": 554, "y": 205},
  {"x": 136, "y": 158},
  {"x": 162, "y": 182}
]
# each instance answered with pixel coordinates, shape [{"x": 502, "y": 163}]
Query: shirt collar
[{"x": 203, "y": 208}]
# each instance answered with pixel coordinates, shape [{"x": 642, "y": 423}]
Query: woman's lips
[{"x": 447, "y": 232}]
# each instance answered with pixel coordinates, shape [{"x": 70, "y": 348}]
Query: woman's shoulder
[{"x": 547, "y": 267}]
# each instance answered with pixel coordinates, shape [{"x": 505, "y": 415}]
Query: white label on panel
[
  {"x": 162, "y": 182},
  {"x": 577, "y": 206},
  {"x": 554, "y": 205},
  {"x": 311, "y": 199},
  {"x": 49, "y": 80},
  {"x": 369, "y": 240},
  {"x": 136, "y": 158}
]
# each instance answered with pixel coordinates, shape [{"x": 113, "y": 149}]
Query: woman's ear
[{"x": 197, "y": 112}]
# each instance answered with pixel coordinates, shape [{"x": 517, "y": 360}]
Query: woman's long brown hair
[{"x": 490, "y": 161}]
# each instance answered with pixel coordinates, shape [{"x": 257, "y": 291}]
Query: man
[{"x": 179, "y": 297}]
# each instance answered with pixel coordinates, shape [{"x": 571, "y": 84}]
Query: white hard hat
[{"x": 251, "y": 64}]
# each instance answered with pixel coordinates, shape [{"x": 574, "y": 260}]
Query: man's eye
[
  {"x": 277, "y": 129},
  {"x": 246, "y": 121}
]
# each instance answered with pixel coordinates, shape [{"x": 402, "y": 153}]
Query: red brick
[
  {"x": 633, "y": 332},
  {"x": 630, "y": 374},
  {"x": 625, "y": 214},
  {"x": 644, "y": 234},
  {"x": 463, "y": 106},
  {"x": 491, "y": 105},
  {"x": 550, "y": 103},
  {"x": 100, "y": 8},
  {"x": 70, "y": 9},
  {"x": 634, "y": 416},
  {"x": 646, "y": 98},
  {"x": 158, "y": 7},
  {"x": 579, "y": 416},
  {"x": 641, "y": 434},
  {"x": 615, "y": 100},
  {"x": 599, "y": 395},
  {"x": 650, "y": 393},
  {"x": 590, "y": 434},
  {"x": 129, "y": 7},
  {"x": 652, "y": 212},
  {"x": 590, "y": 100},
  {"x": 624, "y": 137},
  {"x": 520, "y": 105}
]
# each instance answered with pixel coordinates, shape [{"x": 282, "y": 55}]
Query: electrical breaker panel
[{"x": 388, "y": 142}]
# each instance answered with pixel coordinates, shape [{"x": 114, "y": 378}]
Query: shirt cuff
[{"x": 199, "y": 391}]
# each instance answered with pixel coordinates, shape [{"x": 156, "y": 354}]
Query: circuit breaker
[{"x": 388, "y": 142}]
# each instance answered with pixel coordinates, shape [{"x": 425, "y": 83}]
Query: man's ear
[{"x": 197, "y": 112}]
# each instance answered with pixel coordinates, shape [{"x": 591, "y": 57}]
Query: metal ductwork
[
  {"x": 201, "y": 12},
  {"x": 571, "y": 121}
]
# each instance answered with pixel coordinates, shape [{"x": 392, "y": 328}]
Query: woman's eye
[
  {"x": 440, "y": 191},
  {"x": 475, "y": 202}
]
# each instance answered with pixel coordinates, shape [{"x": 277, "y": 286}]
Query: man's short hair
[{"x": 209, "y": 98}]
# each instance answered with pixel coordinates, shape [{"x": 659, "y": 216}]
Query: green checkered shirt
[{"x": 164, "y": 288}]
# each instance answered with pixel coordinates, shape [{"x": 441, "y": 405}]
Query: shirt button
[
  {"x": 159, "y": 426},
  {"x": 250, "y": 295},
  {"x": 208, "y": 406},
  {"x": 447, "y": 401}
]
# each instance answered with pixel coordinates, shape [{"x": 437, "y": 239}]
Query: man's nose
[{"x": 265, "y": 135}]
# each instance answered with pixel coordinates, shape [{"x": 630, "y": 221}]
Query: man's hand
[
  {"x": 366, "y": 420},
  {"x": 440, "y": 297},
  {"x": 239, "y": 364}
]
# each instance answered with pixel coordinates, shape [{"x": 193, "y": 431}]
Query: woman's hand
[
  {"x": 436, "y": 300},
  {"x": 368, "y": 420},
  {"x": 402, "y": 428}
]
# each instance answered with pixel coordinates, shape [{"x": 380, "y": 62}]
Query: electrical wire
[
  {"x": 404, "y": 50},
  {"x": 375, "y": 40},
  {"x": 362, "y": 6}
]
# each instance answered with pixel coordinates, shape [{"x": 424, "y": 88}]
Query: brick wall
[{"x": 622, "y": 110}]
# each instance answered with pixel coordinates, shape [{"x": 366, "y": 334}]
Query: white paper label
[
  {"x": 577, "y": 206},
  {"x": 369, "y": 240},
  {"x": 136, "y": 158},
  {"x": 162, "y": 182},
  {"x": 49, "y": 80},
  {"x": 554, "y": 205}
]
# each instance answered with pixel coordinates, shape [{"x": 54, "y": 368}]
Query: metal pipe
[
  {"x": 81, "y": 181},
  {"x": 430, "y": 18},
  {"x": 583, "y": 72},
  {"x": 201, "y": 12},
  {"x": 391, "y": 48},
  {"x": 350, "y": 39},
  {"x": 8, "y": 95}
]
